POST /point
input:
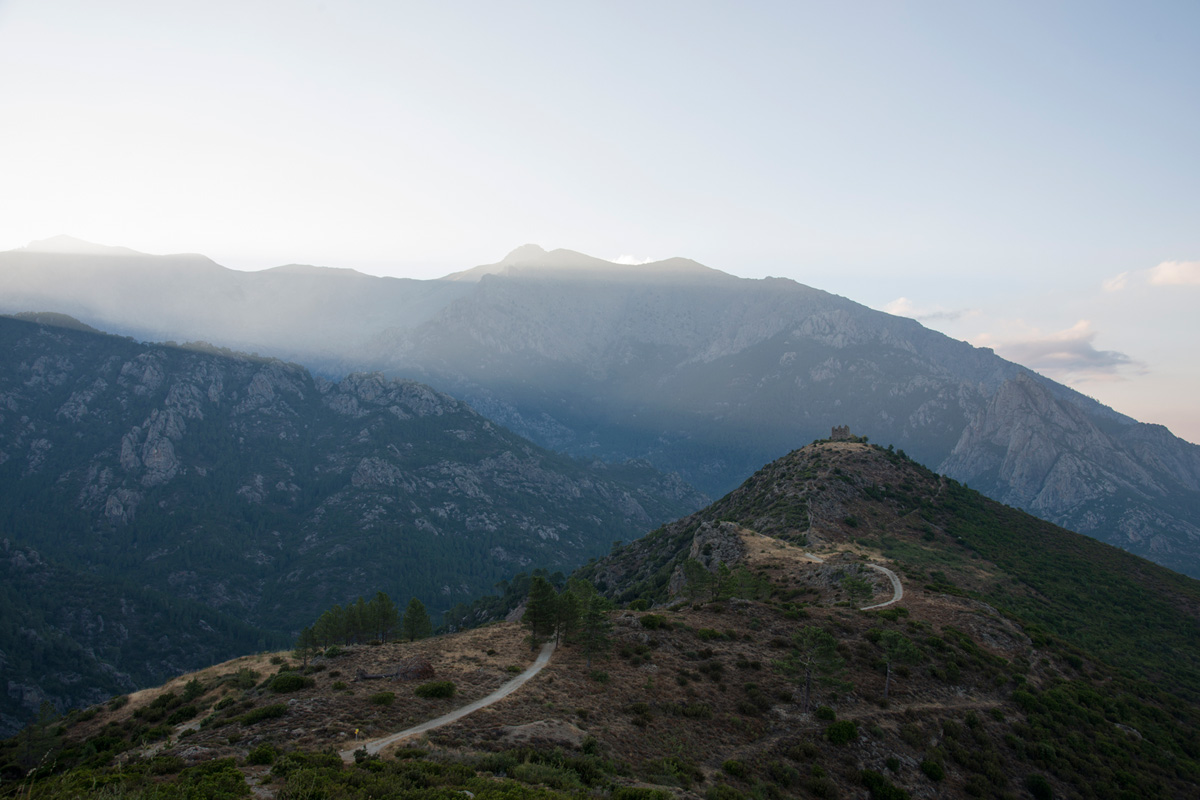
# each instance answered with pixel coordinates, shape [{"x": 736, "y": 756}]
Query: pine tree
[
  {"x": 306, "y": 645},
  {"x": 416, "y": 623},
  {"x": 383, "y": 614},
  {"x": 698, "y": 581},
  {"x": 539, "y": 610},
  {"x": 566, "y": 615},
  {"x": 897, "y": 649},
  {"x": 814, "y": 653},
  {"x": 594, "y": 626}
]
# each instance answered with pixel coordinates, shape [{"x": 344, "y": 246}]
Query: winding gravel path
[
  {"x": 897, "y": 589},
  {"x": 375, "y": 745}
]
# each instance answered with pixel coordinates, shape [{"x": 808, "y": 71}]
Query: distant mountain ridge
[{"x": 694, "y": 370}]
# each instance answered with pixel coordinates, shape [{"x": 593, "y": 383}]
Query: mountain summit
[{"x": 531, "y": 260}]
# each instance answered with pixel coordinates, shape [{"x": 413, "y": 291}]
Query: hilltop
[{"x": 1024, "y": 661}]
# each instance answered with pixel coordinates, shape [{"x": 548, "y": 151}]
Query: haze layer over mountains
[{"x": 695, "y": 370}]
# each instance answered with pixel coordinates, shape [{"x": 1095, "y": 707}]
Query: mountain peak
[
  {"x": 69, "y": 244},
  {"x": 524, "y": 254},
  {"x": 532, "y": 259}
]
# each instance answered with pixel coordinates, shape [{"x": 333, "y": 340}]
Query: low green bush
[
  {"x": 436, "y": 689},
  {"x": 841, "y": 732},
  {"x": 387, "y": 698},
  {"x": 263, "y": 754},
  {"x": 881, "y": 788},
  {"x": 181, "y": 715},
  {"x": 290, "y": 682},
  {"x": 265, "y": 712}
]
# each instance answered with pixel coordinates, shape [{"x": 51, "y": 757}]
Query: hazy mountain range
[{"x": 697, "y": 371}]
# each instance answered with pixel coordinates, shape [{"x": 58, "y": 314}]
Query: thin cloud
[
  {"x": 1176, "y": 273},
  {"x": 1168, "y": 273},
  {"x": 1116, "y": 283},
  {"x": 903, "y": 307},
  {"x": 1068, "y": 355}
]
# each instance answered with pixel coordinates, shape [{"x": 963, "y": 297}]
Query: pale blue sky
[{"x": 992, "y": 164}]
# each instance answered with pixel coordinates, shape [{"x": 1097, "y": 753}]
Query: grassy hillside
[{"x": 1022, "y": 661}]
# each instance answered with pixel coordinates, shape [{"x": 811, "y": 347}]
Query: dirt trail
[
  {"x": 375, "y": 745},
  {"x": 897, "y": 589}
]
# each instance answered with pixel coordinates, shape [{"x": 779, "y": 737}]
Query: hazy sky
[{"x": 1020, "y": 175}]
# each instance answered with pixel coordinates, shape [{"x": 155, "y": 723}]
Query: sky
[{"x": 1020, "y": 175}]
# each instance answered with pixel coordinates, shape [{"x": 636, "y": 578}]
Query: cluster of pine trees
[
  {"x": 578, "y": 615},
  {"x": 376, "y": 619}
]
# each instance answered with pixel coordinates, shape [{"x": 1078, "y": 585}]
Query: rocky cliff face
[
  {"x": 249, "y": 487},
  {"x": 1134, "y": 486}
]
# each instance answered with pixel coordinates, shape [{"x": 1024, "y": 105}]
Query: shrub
[
  {"x": 598, "y": 675},
  {"x": 655, "y": 621},
  {"x": 436, "y": 689},
  {"x": 933, "y": 770},
  {"x": 387, "y": 698},
  {"x": 333, "y": 651},
  {"x": 289, "y": 682},
  {"x": 639, "y": 793},
  {"x": 821, "y": 786},
  {"x": 164, "y": 765},
  {"x": 826, "y": 713},
  {"x": 263, "y": 754},
  {"x": 782, "y": 774},
  {"x": 554, "y": 777},
  {"x": 192, "y": 689},
  {"x": 735, "y": 768},
  {"x": 881, "y": 788},
  {"x": 182, "y": 715},
  {"x": 722, "y": 791},
  {"x": 266, "y": 712},
  {"x": 166, "y": 700},
  {"x": 841, "y": 732},
  {"x": 245, "y": 678},
  {"x": 1039, "y": 787}
]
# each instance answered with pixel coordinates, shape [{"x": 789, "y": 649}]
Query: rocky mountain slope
[
  {"x": 249, "y": 487},
  {"x": 1022, "y": 661},
  {"x": 694, "y": 370}
]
